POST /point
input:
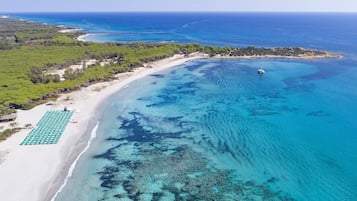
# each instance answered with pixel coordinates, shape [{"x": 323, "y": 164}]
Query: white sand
[
  {"x": 70, "y": 30},
  {"x": 83, "y": 37},
  {"x": 35, "y": 172}
]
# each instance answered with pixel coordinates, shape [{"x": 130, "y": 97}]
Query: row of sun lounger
[{"x": 49, "y": 129}]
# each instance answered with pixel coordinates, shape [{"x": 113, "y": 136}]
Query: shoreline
[
  {"x": 328, "y": 55},
  {"x": 38, "y": 172},
  {"x": 82, "y": 37},
  {"x": 79, "y": 38},
  {"x": 67, "y": 30},
  {"x": 74, "y": 164},
  {"x": 42, "y": 169}
]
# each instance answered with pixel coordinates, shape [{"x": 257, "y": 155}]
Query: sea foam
[{"x": 73, "y": 165}]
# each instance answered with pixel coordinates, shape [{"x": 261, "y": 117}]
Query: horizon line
[{"x": 208, "y": 11}]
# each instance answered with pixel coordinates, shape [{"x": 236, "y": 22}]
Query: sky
[{"x": 178, "y": 5}]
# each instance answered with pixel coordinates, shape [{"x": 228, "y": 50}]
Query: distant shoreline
[
  {"x": 66, "y": 30},
  {"x": 303, "y": 57},
  {"x": 82, "y": 37},
  {"x": 325, "y": 54}
]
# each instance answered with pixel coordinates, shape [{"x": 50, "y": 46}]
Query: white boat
[{"x": 260, "y": 71}]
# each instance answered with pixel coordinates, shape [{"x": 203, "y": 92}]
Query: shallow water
[{"x": 216, "y": 130}]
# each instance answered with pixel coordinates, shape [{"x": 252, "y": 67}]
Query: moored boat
[{"x": 260, "y": 71}]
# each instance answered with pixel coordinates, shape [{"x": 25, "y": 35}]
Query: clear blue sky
[{"x": 178, "y": 5}]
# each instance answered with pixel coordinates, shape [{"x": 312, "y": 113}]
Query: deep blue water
[
  {"x": 214, "y": 129},
  {"x": 331, "y": 31}
]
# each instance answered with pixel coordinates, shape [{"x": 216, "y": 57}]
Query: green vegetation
[
  {"x": 32, "y": 51},
  {"x": 29, "y": 52},
  {"x": 23, "y": 70},
  {"x": 8, "y": 132},
  {"x": 252, "y": 51}
]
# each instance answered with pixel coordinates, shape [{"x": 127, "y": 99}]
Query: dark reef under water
[{"x": 178, "y": 170}]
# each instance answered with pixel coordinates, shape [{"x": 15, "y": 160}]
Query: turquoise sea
[{"x": 213, "y": 129}]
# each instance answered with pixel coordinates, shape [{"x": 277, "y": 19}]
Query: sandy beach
[
  {"x": 82, "y": 37},
  {"x": 70, "y": 30},
  {"x": 36, "y": 172}
]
